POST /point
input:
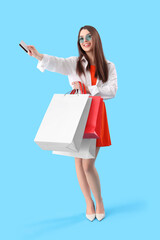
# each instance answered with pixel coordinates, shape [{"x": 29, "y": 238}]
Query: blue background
[{"x": 40, "y": 197}]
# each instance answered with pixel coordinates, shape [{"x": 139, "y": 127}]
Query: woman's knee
[{"x": 88, "y": 164}]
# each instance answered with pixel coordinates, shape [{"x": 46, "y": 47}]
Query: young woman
[{"x": 100, "y": 79}]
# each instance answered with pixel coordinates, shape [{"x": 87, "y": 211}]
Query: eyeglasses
[{"x": 87, "y": 37}]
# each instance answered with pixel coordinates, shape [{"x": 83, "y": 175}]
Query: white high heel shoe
[
  {"x": 91, "y": 217},
  {"x": 100, "y": 216}
]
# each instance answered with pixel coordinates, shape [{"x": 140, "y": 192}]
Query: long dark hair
[{"x": 98, "y": 55}]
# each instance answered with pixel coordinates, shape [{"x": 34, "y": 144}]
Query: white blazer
[{"x": 67, "y": 66}]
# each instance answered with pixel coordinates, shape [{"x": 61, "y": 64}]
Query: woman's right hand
[{"x": 34, "y": 53}]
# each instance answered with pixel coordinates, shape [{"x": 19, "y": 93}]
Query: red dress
[{"x": 104, "y": 139}]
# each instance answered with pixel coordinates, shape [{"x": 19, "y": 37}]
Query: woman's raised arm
[{"x": 64, "y": 66}]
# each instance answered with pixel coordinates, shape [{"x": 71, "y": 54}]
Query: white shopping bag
[
  {"x": 64, "y": 122},
  {"x": 87, "y": 149}
]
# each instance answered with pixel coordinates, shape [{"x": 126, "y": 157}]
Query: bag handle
[{"x": 82, "y": 88}]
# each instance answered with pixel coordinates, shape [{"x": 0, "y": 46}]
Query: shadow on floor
[
  {"x": 32, "y": 231},
  {"x": 126, "y": 208}
]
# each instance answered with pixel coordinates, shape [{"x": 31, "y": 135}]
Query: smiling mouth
[{"x": 87, "y": 45}]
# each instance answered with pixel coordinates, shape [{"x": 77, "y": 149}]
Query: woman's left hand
[{"x": 77, "y": 86}]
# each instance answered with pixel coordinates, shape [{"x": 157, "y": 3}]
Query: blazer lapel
[{"x": 97, "y": 81}]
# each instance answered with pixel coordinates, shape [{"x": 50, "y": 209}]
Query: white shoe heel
[
  {"x": 91, "y": 217},
  {"x": 100, "y": 216}
]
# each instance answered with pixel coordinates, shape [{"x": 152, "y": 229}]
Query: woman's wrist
[{"x": 40, "y": 56}]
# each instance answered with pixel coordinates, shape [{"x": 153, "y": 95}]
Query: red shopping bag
[
  {"x": 93, "y": 125},
  {"x": 105, "y": 139}
]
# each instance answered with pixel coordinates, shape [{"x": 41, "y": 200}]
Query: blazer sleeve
[
  {"x": 108, "y": 89},
  {"x": 64, "y": 66}
]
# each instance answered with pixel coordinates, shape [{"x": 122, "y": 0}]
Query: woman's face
[{"x": 87, "y": 44}]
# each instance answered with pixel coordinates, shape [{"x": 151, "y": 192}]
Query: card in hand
[{"x": 23, "y": 45}]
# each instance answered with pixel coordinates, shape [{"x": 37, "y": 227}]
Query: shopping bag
[
  {"x": 93, "y": 125},
  {"x": 64, "y": 122},
  {"x": 87, "y": 150},
  {"x": 104, "y": 139}
]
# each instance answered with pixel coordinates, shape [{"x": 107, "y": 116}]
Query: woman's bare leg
[
  {"x": 84, "y": 186},
  {"x": 93, "y": 181}
]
